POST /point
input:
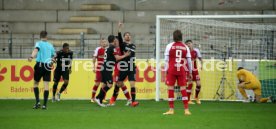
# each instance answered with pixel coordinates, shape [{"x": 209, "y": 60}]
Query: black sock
[
  {"x": 102, "y": 93},
  {"x": 46, "y": 94},
  {"x": 133, "y": 93},
  {"x": 63, "y": 88},
  {"x": 55, "y": 89},
  {"x": 36, "y": 92},
  {"x": 116, "y": 90}
]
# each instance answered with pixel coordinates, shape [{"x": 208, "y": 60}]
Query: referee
[
  {"x": 43, "y": 52},
  {"x": 64, "y": 59}
]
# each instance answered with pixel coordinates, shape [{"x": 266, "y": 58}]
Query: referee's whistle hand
[{"x": 30, "y": 59}]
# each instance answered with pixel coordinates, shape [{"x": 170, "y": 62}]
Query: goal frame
[{"x": 157, "y": 33}]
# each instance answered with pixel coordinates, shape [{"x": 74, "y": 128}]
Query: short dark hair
[
  {"x": 43, "y": 34},
  {"x": 240, "y": 68},
  {"x": 126, "y": 33},
  {"x": 177, "y": 35},
  {"x": 188, "y": 41},
  {"x": 65, "y": 45},
  {"x": 111, "y": 38}
]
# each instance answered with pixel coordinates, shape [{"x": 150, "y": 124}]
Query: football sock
[
  {"x": 55, "y": 89},
  {"x": 116, "y": 92},
  {"x": 184, "y": 98},
  {"x": 264, "y": 100},
  {"x": 171, "y": 98},
  {"x": 126, "y": 93},
  {"x": 46, "y": 94},
  {"x": 94, "y": 90},
  {"x": 197, "y": 90},
  {"x": 63, "y": 88},
  {"x": 36, "y": 93},
  {"x": 102, "y": 93},
  {"x": 189, "y": 90},
  {"x": 133, "y": 93}
]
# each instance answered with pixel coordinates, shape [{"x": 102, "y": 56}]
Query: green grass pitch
[{"x": 80, "y": 114}]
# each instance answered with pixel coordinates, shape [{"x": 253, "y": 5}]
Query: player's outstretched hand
[{"x": 120, "y": 24}]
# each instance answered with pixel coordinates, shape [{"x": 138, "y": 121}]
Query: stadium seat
[
  {"x": 101, "y": 7},
  {"x": 59, "y": 42},
  {"x": 88, "y": 19},
  {"x": 75, "y": 31}
]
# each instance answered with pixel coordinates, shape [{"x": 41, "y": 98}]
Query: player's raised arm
[{"x": 120, "y": 38}]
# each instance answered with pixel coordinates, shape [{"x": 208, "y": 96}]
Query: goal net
[{"x": 226, "y": 43}]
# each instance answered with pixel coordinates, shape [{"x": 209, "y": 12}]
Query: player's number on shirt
[
  {"x": 105, "y": 56},
  {"x": 178, "y": 55}
]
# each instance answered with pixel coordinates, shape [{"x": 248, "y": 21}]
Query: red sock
[
  {"x": 185, "y": 99},
  {"x": 189, "y": 90},
  {"x": 197, "y": 90},
  {"x": 126, "y": 93},
  {"x": 94, "y": 90},
  {"x": 171, "y": 98}
]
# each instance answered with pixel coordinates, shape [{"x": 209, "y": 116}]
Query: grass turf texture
[{"x": 15, "y": 114}]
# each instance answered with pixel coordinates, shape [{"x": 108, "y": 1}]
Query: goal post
[{"x": 233, "y": 40}]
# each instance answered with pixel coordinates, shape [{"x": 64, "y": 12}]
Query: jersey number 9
[{"x": 178, "y": 56}]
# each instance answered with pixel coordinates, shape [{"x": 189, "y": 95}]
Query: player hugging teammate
[
  {"x": 110, "y": 58},
  {"x": 127, "y": 68},
  {"x": 120, "y": 55}
]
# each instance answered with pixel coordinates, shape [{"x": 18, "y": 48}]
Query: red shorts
[
  {"x": 98, "y": 76},
  {"x": 195, "y": 75},
  {"x": 171, "y": 79}
]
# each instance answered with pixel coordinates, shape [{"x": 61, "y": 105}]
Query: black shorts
[
  {"x": 59, "y": 73},
  {"x": 130, "y": 74},
  {"x": 107, "y": 77},
  {"x": 42, "y": 70}
]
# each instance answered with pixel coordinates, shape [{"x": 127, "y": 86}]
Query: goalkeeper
[{"x": 248, "y": 81}]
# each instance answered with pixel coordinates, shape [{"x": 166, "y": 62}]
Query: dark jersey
[
  {"x": 109, "y": 58},
  {"x": 66, "y": 57},
  {"x": 130, "y": 60}
]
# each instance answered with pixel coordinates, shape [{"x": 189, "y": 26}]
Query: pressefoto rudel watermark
[{"x": 208, "y": 65}]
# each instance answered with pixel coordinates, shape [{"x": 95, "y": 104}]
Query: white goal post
[{"x": 219, "y": 26}]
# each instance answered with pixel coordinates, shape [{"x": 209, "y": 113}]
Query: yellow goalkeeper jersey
[
  {"x": 252, "y": 82},
  {"x": 246, "y": 76}
]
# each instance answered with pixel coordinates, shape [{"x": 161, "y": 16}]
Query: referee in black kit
[
  {"x": 43, "y": 52},
  {"x": 63, "y": 59}
]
